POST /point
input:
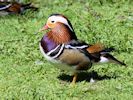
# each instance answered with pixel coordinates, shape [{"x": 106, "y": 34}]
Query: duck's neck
[{"x": 61, "y": 34}]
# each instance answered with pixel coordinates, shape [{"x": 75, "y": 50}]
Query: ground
[{"x": 25, "y": 73}]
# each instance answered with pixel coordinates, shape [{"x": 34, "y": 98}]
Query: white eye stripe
[{"x": 60, "y": 19}]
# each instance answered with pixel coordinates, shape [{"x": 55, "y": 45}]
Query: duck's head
[
  {"x": 60, "y": 29},
  {"x": 56, "y": 20}
]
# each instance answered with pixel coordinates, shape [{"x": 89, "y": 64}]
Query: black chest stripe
[{"x": 56, "y": 51}]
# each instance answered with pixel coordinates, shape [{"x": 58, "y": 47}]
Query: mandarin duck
[
  {"x": 14, "y": 7},
  {"x": 60, "y": 45}
]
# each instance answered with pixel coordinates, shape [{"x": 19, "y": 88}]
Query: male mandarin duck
[
  {"x": 14, "y": 7},
  {"x": 60, "y": 45}
]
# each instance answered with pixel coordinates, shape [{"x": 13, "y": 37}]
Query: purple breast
[{"x": 47, "y": 44}]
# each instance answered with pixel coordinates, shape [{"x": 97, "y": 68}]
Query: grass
[{"x": 25, "y": 73}]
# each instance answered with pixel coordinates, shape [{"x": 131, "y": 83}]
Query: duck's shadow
[{"x": 84, "y": 76}]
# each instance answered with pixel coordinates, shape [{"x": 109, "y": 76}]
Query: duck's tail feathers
[
  {"x": 107, "y": 50},
  {"x": 109, "y": 58}
]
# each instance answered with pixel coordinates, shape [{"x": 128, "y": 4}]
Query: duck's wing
[{"x": 96, "y": 53}]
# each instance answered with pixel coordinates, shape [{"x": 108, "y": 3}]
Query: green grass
[{"x": 25, "y": 73}]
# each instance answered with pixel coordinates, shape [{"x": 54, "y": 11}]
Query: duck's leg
[{"x": 74, "y": 78}]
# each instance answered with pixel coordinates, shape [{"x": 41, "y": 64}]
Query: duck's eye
[{"x": 52, "y": 21}]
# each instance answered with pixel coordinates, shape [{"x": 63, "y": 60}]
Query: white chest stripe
[
  {"x": 76, "y": 47},
  {"x": 59, "y": 52},
  {"x": 52, "y": 50}
]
